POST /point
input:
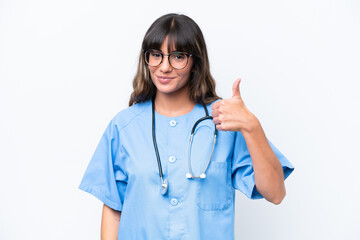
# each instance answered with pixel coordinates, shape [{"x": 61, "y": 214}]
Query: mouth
[{"x": 164, "y": 79}]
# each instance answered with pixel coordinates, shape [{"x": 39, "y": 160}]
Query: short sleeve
[
  {"x": 242, "y": 167},
  {"x": 105, "y": 177}
]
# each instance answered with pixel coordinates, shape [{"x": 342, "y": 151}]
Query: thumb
[{"x": 236, "y": 89}]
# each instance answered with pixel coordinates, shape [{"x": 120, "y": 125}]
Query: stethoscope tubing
[
  {"x": 203, "y": 175},
  {"x": 164, "y": 183}
]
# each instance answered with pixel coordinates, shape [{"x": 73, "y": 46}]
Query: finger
[
  {"x": 215, "y": 105},
  {"x": 236, "y": 89},
  {"x": 220, "y": 127},
  {"x": 216, "y": 120},
  {"x": 215, "y": 113}
]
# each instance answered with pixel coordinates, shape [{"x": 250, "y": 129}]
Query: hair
[{"x": 183, "y": 35}]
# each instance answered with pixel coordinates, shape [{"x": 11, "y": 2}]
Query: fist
[{"x": 232, "y": 114}]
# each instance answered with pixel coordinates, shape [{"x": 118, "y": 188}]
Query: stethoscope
[{"x": 189, "y": 175}]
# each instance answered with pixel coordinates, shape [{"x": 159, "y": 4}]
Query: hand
[{"x": 232, "y": 114}]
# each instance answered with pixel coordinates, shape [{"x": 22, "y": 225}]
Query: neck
[{"x": 173, "y": 105}]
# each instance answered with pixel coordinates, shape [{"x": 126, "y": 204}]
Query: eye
[
  {"x": 178, "y": 56},
  {"x": 155, "y": 55}
]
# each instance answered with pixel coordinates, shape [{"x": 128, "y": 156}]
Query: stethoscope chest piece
[{"x": 164, "y": 187}]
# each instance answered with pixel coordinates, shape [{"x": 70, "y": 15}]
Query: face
[{"x": 170, "y": 81}]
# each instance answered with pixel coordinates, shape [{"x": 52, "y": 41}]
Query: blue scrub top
[{"x": 123, "y": 173}]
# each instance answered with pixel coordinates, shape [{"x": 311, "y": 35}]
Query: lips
[{"x": 164, "y": 79}]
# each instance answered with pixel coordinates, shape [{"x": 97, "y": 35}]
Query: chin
[
  {"x": 168, "y": 90},
  {"x": 165, "y": 91}
]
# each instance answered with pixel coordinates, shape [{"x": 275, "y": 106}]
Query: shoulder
[{"x": 130, "y": 114}]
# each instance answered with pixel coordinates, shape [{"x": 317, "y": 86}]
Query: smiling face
[{"x": 170, "y": 81}]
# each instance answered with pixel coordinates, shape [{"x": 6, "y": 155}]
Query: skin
[
  {"x": 171, "y": 97},
  {"x": 110, "y": 223},
  {"x": 233, "y": 115},
  {"x": 172, "y": 100}
]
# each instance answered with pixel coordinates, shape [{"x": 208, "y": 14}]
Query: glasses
[{"x": 177, "y": 60}]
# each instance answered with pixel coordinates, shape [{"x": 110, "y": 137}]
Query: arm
[
  {"x": 268, "y": 173},
  {"x": 110, "y": 223},
  {"x": 233, "y": 115}
]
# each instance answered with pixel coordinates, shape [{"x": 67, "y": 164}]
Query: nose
[{"x": 165, "y": 65}]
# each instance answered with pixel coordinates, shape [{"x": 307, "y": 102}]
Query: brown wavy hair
[{"x": 183, "y": 35}]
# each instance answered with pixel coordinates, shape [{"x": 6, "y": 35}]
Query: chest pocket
[{"x": 215, "y": 191}]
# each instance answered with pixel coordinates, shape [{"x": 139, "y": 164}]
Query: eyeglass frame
[{"x": 168, "y": 55}]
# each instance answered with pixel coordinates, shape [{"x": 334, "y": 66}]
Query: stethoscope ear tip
[
  {"x": 164, "y": 187},
  {"x": 188, "y": 175}
]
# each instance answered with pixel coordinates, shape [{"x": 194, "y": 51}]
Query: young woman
[{"x": 168, "y": 165}]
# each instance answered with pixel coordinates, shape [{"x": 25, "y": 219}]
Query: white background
[{"x": 66, "y": 68}]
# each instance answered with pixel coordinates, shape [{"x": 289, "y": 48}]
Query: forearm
[
  {"x": 110, "y": 223},
  {"x": 268, "y": 173},
  {"x": 233, "y": 115}
]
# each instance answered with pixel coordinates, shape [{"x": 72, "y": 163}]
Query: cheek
[
  {"x": 151, "y": 72},
  {"x": 186, "y": 75}
]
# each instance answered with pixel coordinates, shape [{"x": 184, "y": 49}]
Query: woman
[{"x": 153, "y": 181}]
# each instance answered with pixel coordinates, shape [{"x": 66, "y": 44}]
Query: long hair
[{"x": 183, "y": 35}]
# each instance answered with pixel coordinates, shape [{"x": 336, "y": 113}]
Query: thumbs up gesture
[{"x": 232, "y": 114}]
